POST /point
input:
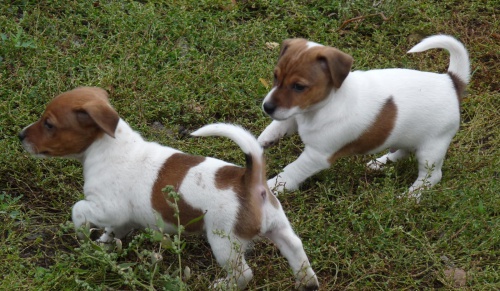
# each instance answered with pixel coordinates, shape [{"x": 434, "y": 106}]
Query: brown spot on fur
[
  {"x": 71, "y": 122},
  {"x": 459, "y": 85},
  {"x": 257, "y": 181},
  {"x": 245, "y": 182},
  {"x": 172, "y": 173},
  {"x": 374, "y": 136},
  {"x": 249, "y": 218},
  {"x": 318, "y": 69}
]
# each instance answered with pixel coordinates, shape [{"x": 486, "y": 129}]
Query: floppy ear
[
  {"x": 338, "y": 63},
  {"x": 284, "y": 46},
  {"x": 100, "y": 112}
]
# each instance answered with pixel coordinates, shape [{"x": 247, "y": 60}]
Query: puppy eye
[
  {"x": 47, "y": 124},
  {"x": 275, "y": 78},
  {"x": 298, "y": 87}
]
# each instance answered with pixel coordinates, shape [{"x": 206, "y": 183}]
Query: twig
[{"x": 345, "y": 23}]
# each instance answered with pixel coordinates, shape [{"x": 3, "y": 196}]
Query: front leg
[
  {"x": 84, "y": 212},
  {"x": 111, "y": 233},
  {"x": 309, "y": 163},
  {"x": 88, "y": 211},
  {"x": 276, "y": 130}
]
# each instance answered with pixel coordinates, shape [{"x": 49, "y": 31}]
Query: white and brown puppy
[
  {"x": 124, "y": 176},
  {"x": 339, "y": 113}
]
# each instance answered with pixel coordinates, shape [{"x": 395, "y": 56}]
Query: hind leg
[
  {"x": 392, "y": 156},
  {"x": 430, "y": 161},
  {"x": 290, "y": 246},
  {"x": 229, "y": 253}
]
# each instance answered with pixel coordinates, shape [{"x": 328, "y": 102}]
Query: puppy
[
  {"x": 124, "y": 176},
  {"x": 339, "y": 113}
]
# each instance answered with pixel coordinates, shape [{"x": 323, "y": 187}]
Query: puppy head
[
  {"x": 305, "y": 75},
  {"x": 71, "y": 122}
]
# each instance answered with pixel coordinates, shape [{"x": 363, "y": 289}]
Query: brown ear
[
  {"x": 338, "y": 63},
  {"x": 284, "y": 46},
  {"x": 102, "y": 114}
]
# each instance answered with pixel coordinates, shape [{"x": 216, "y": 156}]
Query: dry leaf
[
  {"x": 457, "y": 276},
  {"x": 264, "y": 82},
  {"x": 198, "y": 108},
  {"x": 272, "y": 45}
]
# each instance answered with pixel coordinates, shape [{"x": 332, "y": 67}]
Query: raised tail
[
  {"x": 459, "y": 58},
  {"x": 246, "y": 141}
]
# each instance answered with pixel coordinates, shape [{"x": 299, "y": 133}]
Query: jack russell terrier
[
  {"x": 124, "y": 176},
  {"x": 339, "y": 113}
]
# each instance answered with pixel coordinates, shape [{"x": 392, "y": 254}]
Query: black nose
[
  {"x": 269, "y": 107},
  {"x": 21, "y": 135}
]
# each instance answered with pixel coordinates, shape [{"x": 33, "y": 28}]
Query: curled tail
[
  {"x": 246, "y": 141},
  {"x": 459, "y": 58}
]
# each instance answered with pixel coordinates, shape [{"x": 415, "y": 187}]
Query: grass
[{"x": 173, "y": 66}]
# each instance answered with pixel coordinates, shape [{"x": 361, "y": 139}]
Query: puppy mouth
[
  {"x": 277, "y": 118},
  {"x": 273, "y": 111},
  {"x": 281, "y": 114},
  {"x": 44, "y": 154},
  {"x": 30, "y": 148}
]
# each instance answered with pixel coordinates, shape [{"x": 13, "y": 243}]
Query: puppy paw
[
  {"x": 218, "y": 284},
  {"x": 375, "y": 165},
  {"x": 308, "y": 287},
  {"x": 275, "y": 186},
  {"x": 268, "y": 138},
  {"x": 105, "y": 238},
  {"x": 307, "y": 284},
  {"x": 223, "y": 284},
  {"x": 279, "y": 183},
  {"x": 415, "y": 194},
  {"x": 266, "y": 143}
]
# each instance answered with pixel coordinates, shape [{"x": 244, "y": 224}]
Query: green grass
[{"x": 184, "y": 64}]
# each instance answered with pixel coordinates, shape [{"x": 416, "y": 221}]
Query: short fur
[
  {"x": 338, "y": 112},
  {"x": 124, "y": 177}
]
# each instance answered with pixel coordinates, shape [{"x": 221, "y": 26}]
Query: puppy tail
[
  {"x": 255, "y": 163},
  {"x": 459, "y": 58}
]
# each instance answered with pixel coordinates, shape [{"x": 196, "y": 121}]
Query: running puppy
[
  {"x": 124, "y": 176},
  {"x": 339, "y": 113}
]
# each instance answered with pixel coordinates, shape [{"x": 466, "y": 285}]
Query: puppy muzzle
[{"x": 269, "y": 107}]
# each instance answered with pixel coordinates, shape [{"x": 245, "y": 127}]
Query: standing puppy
[
  {"x": 339, "y": 113},
  {"x": 124, "y": 176}
]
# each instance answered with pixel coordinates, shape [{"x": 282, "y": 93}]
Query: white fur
[
  {"x": 459, "y": 58},
  {"x": 244, "y": 139},
  {"x": 119, "y": 174},
  {"x": 311, "y": 44},
  {"x": 427, "y": 118}
]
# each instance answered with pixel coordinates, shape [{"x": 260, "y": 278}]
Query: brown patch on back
[
  {"x": 459, "y": 86},
  {"x": 263, "y": 178},
  {"x": 256, "y": 180},
  {"x": 374, "y": 136},
  {"x": 172, "y": 173},
  {"x": 319, "y": 69},
  {"x": 71, "y": 122},
  {"x": 243, "y": 182}
]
